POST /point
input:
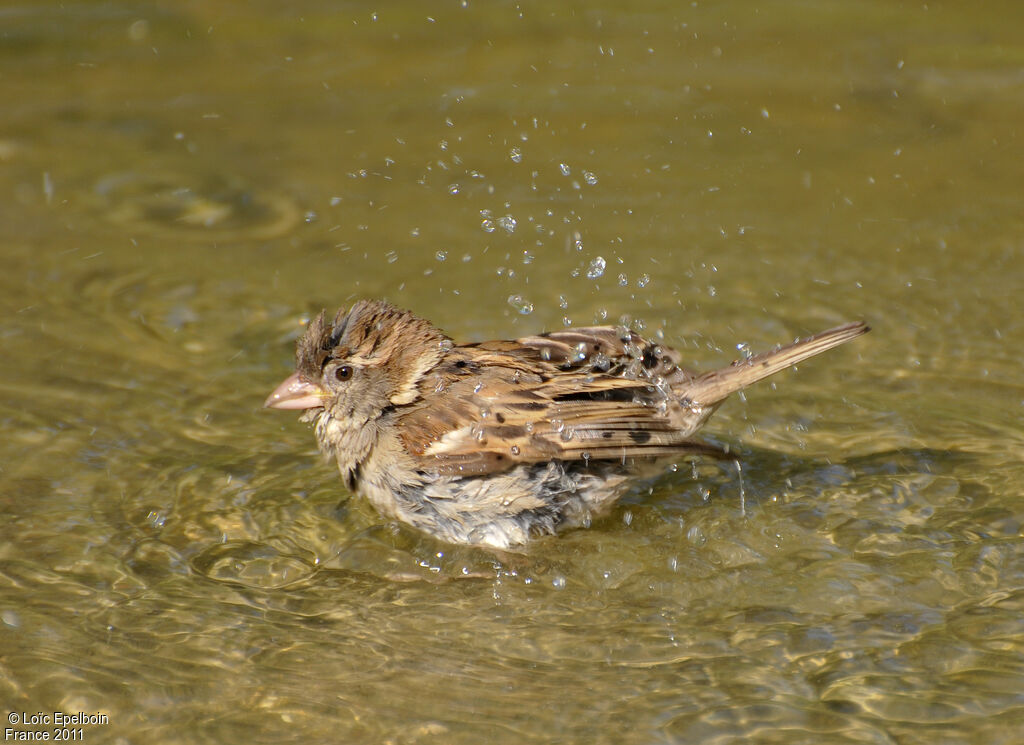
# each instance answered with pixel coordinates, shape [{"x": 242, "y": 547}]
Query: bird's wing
[{"x": 586, "y": 394}]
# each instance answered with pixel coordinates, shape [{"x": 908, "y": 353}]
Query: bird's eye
[{"x": 343, "y": 373}]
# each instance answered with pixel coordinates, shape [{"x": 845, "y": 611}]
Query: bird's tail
[{"x": 713, "y": 387}]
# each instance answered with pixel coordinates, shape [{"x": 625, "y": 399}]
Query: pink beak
[{"x": 295, "y": 393}]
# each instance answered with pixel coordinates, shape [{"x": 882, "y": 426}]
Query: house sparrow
[{"x": 498, "y": 442}]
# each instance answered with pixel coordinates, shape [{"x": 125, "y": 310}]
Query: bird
[{"x": 498, "y": 443}]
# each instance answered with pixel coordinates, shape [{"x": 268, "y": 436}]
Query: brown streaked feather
[
  {"x": 499, "y": 409},
  {"x": 496, "y": 404}
]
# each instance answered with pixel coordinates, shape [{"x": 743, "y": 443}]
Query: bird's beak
[{"x": 295, "y": 393}]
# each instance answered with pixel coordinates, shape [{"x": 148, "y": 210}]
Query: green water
[{"x": 184, "y": 183}]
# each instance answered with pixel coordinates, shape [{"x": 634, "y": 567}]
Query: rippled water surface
[{"x": 185, "y": 183}]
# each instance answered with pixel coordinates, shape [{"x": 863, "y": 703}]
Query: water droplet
[
  {"x": 596, "y": 268},
  {"x": 139, "y": 30},
  {"x": 441, "y": 255},
  {"x": 696, "y": 536},
  {"x": 487, "y": 224},
  {"x": 508, "y": 222},
  {"x": 453, "y": 188},
  {"x": 564, "y": 169},
  {"x": 563, "y": 303},
  {"x": 744, "y": 349},
  {"x": 589, "y": 177},
  {"x": 623, "y": 280},
  {"x": 516, "y": 155},
  {"x": 558, "y": 582},
  {"x": 521, "y": 304},
  {"x": 514, "y": 450},
  {"x": 643, "y": 280}
]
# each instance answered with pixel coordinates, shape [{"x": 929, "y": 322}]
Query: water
[{"x": 187, "y": 185}]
